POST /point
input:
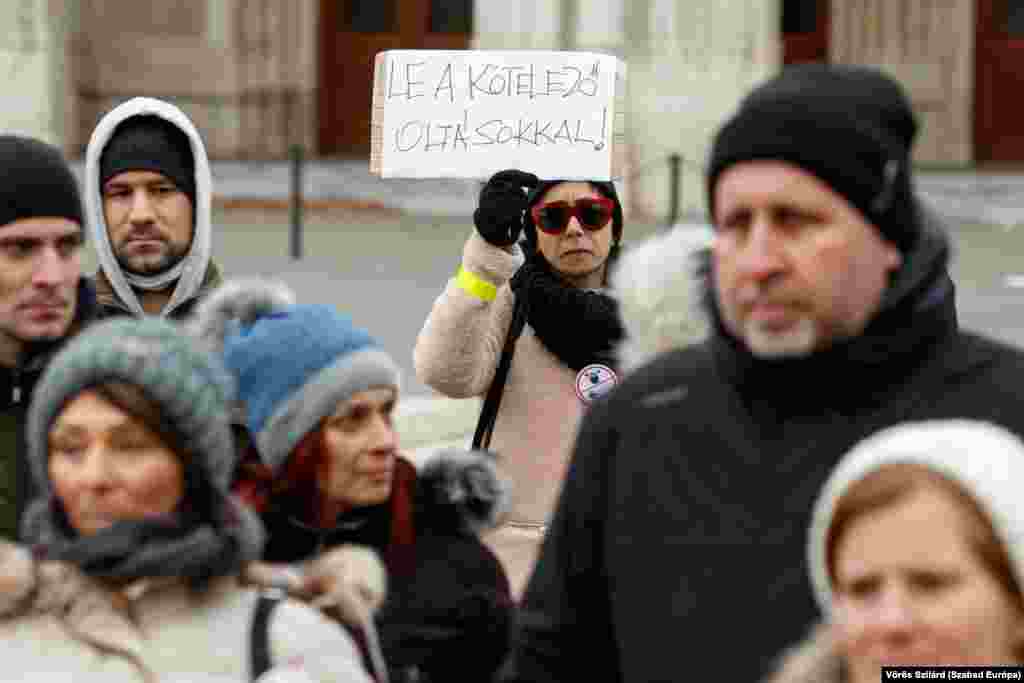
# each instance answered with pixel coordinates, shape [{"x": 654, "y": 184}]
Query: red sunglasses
[{"x": 593, "y": 213}]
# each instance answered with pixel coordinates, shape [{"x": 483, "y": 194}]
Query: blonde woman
[{"x": 915, "y": 555}]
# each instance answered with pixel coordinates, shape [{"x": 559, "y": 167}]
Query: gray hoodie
[{"x": 192, "y": 270}]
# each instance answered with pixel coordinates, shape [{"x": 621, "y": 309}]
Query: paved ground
[
  {"x": 341, "y": 180},
  {"x": 996, "y": 198},
  {"x": 382, "y": 268}
]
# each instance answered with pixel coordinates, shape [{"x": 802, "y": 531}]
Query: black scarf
[
  {"x": 291, "y": 540},
  {"x": 578, "y": 326},
  {"x": 195, "y": 546}
]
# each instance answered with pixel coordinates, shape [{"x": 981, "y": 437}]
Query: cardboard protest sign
[{"x": 471, "y": 113}]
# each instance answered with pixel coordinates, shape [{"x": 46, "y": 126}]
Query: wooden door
[
  {"x": 352, "y": 32},
  {"x": 805, "y": 30},
  {"x": 999, "y": 80}
]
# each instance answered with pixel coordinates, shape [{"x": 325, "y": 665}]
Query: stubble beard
[
  {"x": 797, "y": 341},
  {"x": 147, "y": 267},
  {"x": 14, "y": 340}
]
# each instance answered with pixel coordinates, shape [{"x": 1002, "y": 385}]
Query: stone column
[
  {"x": 32, "y": 62},
  {"x": 275, "y": 43},
  {"x": 504, "y": 25},
  {"x": 172, "y": 52},
  {"x": 929, "y": 48},
  {"x": 690, "y": 61}
]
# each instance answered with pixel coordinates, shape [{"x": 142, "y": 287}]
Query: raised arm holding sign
[{"x": 471, "y": 113}]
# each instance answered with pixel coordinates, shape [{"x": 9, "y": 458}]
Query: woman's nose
[
  {"x": 95, "y": 471},
  {"x": 893, "y": 618},
  {"x": 384, "y": 437},
  {"x": 574, "y": 228}
]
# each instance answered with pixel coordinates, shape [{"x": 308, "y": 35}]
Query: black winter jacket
[
  {"x": 449, "y": 612},
  {"x": 16, "y": 387},
  {"x": 677, "y": 547}
]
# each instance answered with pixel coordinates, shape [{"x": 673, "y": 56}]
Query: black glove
[{"x": 499, "y": 215}]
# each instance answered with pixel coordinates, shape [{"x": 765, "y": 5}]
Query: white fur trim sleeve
[
  {"x": 657, "y": 284},
  {"x": 307, "y": 647},
  {"x": 458, "y": 348}
]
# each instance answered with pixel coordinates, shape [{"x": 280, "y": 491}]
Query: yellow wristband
[{"x": 475, "y": 285}]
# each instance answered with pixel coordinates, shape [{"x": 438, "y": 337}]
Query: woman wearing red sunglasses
[{"x": 528, "y": 325}]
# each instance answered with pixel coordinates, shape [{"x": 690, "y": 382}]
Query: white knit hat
[{"x": 985, "y": 460}]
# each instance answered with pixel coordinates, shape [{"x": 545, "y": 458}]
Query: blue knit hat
[{"x": 294, "y": 363}]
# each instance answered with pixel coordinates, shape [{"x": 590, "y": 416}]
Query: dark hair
[
  {"x": 604, "y": 188},
  {"x": 296, "y": 485},
  {"x": 134, "y": 401}
]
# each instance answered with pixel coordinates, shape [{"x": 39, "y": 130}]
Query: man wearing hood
[
  {"x": 676, "y": 551},
  {"x": 148, "y": 196},
  {"x": 43, "y": 298}
]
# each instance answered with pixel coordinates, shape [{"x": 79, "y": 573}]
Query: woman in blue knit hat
[
  {"x": 325, "y": 470},
  {"x": 136, "y": 543}
]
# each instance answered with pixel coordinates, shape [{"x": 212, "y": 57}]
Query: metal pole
[
  {"x": 675, "y": 163},
  {"x": 296, "y": 202}
]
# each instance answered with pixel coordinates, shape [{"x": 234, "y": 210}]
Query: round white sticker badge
[{"x": 594, "y": 381}]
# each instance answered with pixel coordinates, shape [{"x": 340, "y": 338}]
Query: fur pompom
[
  {"x": 462, "y": 490},
  {"x": 351, "y": 578},
  {"x": 31, "y": 586},
  {"x": 18, "y": 578},
  {"x": 241, "y": 300},
  {"x": 659, "y": 285}
]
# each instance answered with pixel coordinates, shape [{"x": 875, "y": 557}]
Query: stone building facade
[{"x": 261, "y": 75}]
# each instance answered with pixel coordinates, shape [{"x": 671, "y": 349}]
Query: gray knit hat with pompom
[
  {"x": 193, "y": 392},
  {"x": 190, "y": 385}
]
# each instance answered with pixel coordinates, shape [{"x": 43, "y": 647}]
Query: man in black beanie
[
  {"x": 148, "y": 193},
  {"x": 43, "y": 298},
  {"x": 678, "y": 544}
]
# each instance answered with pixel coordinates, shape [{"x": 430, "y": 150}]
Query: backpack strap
[
  {"x": 489, "y": 411},
  {"x": 259, "y": 633}
]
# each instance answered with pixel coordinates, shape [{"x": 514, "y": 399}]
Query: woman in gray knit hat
[{"x": 136, "y": 542}]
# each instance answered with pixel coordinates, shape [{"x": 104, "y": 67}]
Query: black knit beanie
[
  {"x": 606, "y": 189},
  {"x": 38, "y": 183},
  {"x": 150, "y": 143},
  {"x": 851, "y": 126}
]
